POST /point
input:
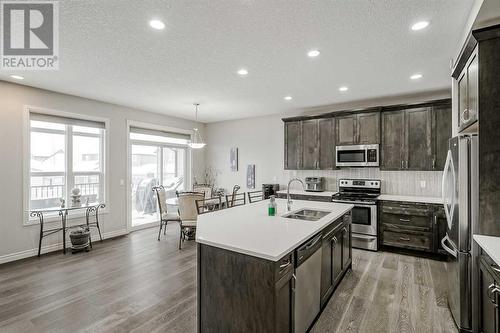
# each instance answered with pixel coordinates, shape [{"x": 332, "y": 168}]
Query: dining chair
[
  {"x": 208, "y": 205},
  {"x": 237, "y": 199},
  {"x": 165, "y": 217},
  {"x": 188, "y": 214},
  {"x": 255, "y": 196}
]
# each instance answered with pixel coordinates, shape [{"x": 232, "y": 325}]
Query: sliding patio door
[{"x": 156, "y": 158}]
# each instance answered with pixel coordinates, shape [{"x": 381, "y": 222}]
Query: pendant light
[{"x": 197, "y": 141}]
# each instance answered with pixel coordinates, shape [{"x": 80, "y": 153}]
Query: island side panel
[{"x": 235, "y": 292}]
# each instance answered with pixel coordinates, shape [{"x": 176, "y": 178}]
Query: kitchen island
[{"x": 260, "y": 273}]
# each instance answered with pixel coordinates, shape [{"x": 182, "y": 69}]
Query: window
[
  {"x": 156, "y": 158},
  {"x": 65, "y": 153}
]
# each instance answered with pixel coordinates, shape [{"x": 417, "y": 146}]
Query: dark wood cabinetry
[
  {"x": 412, "y": 137},
  {"x": 407, "y": 225},
  {"x": 284, "y": 292},
  {"x": 358, "y": 128},
  {"x": 419, "y": 227},
  {"x": 416, "y": 138},
  {"x": 489, "y": 295},
  {"x": 293, "y": 141},
  {"x": 310, "y": 144},
  {"x": 442, "y": 132},
  {"x": 336, "y": 256},
  {"x": 468, "y": 93}
]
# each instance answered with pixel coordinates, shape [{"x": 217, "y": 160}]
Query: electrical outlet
[
  {"x": 423, "y": 184},
  {"x": 122, "y": 182}
]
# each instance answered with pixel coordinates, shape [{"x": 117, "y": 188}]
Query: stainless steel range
[{"x": 362, "y": 193}]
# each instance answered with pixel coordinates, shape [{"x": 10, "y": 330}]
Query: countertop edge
[
  {"x": 484, "y": 242},
  {"x": 281, "y": 255}
]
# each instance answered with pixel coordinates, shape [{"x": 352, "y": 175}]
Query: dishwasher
[{"x": 308, "y": 284}]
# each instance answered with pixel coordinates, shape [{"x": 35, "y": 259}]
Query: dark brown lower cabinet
[
  {"x": 489, "y": 296},
  {"x": 418, "y": 227},
  {"x": 284, "y": 296},
  {"x": 336, "y": 257},
  {"x": 243, "y": 293}
]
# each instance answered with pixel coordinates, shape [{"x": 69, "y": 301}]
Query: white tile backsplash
[{"x": 393, "y": 182}]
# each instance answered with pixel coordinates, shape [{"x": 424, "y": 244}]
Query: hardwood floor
[{"x": 137, "y": 284}]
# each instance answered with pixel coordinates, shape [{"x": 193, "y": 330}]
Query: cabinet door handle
[
  {"x": 334, "y": 239},
  {"x": 405, "y": 220},
  {"x": 294, "y": 281},
  {"x": 462, "y": 116},
  {"x": 406, "y": 239},
  {"x": 435, "y": 220},
  {"x": 492, "y": 290},
  {"x": 495, "y": 268},
  {"x": 285, "y": 265},
  {"x": 402, "y": 164},
  {"x": 433, "y": 162}
]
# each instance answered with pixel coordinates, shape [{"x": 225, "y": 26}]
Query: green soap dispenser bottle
[{"x": 272, "y": 208}]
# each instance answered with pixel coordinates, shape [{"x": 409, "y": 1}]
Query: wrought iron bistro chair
[
  {"x": 208, "y": 205},
  {"x": 235, "y": 199},
  {"x": 188, "y": 213},
  {"x": 165, "y": 217},
  {"x": 255, "y": 196}
]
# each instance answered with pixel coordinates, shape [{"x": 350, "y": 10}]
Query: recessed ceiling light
[
  {"x": 416, "y": 76},
  {"x": 313, "y": 53},
  {"x": 242, "y": 72},
  {"x": 420, "y": 25},
  {"x": 288, "y": 98},
  {"x": 17, "y": 77},
  {"x": 157, "y": 24},
  {"x": 343, "y": 89}
]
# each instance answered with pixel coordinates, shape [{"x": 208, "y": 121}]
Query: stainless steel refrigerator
[{"x": 461, "y": 202}]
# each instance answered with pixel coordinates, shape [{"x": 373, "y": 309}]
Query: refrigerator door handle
[
  {"x": 449, "y": 167},
  {"x": 446, "y": 248}
]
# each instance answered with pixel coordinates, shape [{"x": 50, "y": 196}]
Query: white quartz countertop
[
  {"x": 410, "y": 198},
  {"x": 490, "y": 245},
  {"x": 249, "y": 230},
  {"x": 302, "y": 192}
]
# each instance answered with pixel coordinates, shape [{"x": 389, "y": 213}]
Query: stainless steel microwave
[{"x": 357, "y": 156}]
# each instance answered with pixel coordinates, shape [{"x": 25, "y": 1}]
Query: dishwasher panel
[{"x": 308, "y": 284}]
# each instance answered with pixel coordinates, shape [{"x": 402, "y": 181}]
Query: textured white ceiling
[{"x": 108, "y": 52}]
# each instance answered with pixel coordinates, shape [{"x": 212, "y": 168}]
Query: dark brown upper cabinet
[
  {"x": 416, "y": 138},
  {"x": 293, "y": 142},
  {"x": 393, "y": 140},
  {"x": 310, "y": 144},
  {"x": 326, "y": 143},
  {"x": 468, "y": 93},
  {"x": 442, "y": 129},
  {"x": 358, "y": 128}
]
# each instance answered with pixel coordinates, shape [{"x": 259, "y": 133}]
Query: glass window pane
[
  {"x": 46, "y": 191},
  {"x": 173, "y": 169},
  {"x": 47, "y": 152},
  {"x": 86, "y": 153},
  {"x": 157, "y": 138},
  {"x": 89, "y": 186},
  {"x": 46, "y": 125},
  {"x": 145, "y": 166}
]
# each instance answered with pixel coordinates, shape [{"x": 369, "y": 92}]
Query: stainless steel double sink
[{"x": 307, "y": 214}]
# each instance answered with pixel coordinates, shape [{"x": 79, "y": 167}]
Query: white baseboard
[{"x": 55, "y": 247}]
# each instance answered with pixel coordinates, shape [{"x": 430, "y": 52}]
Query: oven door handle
[{"x": 355, "y": 204}]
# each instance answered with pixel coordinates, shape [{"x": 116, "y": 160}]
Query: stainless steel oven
[
  {"x": 357, "y": 156},
  {"x": 362, "y": 194}
]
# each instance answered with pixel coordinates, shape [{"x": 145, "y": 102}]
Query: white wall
[
  {"x": 16, "y": 240},
  {"x": 260, "y": 142}
]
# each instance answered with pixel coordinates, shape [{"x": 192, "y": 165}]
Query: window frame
[
  {"x": 189, "y": 159},
  {"x": 69, "y": 180}
]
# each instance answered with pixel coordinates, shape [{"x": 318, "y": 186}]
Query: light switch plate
[
  {"x": 122, "y": 182},
  {"x": 423, "y": 184}
]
